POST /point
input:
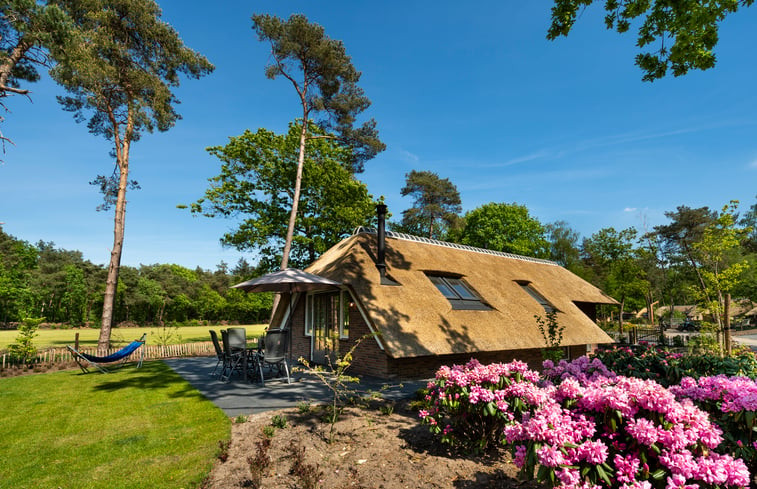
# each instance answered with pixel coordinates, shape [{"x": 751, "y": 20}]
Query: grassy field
[
  {"x": 88, "y": 337},
  {"x": 136, "y": 428}
]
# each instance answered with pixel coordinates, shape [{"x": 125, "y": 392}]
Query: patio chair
[
  {"x": 237, "y": 338},
  {"x": 219, "y": 353},
  {"x": 275, "y": 352},
  {"x": 234, "y": 360},
  {"x": 118, "y": 359}
]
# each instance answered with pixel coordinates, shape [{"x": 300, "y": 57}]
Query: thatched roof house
[{"x": 439, "y": 303}]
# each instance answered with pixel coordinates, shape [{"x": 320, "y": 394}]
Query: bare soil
[{"x": 377, "y": 446}]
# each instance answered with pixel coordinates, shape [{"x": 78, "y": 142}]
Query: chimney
[{"x": 381, "y": 245}]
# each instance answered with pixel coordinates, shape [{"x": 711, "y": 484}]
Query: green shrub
[
  {"x": 23, "y": 350},
  {"x": 668, "y": 368},
  {"x": 279, "y": 421}
]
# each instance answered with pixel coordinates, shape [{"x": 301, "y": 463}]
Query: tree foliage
[
  {"x": 121, "y": 72},
  {"x": 673, "y": 36},
  {"x": 32, "y": 33},
  {"x": 43, "y": 280},
  {"x": 564, "y": 245},
  {"x": 505, "y": 227},
  {"x": 256, "y": 185},
  {"x": 613, "y": 260},
  {"x": 325, "y": 80},
  {"x": 436, "y": 207}
]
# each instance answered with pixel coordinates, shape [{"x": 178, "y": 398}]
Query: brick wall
[{"x": 425, "y": 367}]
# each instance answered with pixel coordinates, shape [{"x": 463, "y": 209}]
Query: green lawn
[
  {"x": 88, "y": 336},
  {"x": 136, "y": 428}
]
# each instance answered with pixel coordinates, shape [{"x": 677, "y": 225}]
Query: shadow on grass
[{"x": 152, "y": 375}]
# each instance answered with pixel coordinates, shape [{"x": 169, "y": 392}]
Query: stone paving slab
[{"x": 240, "y": 397}]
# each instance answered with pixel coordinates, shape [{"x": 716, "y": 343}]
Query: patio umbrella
[{"x": 288, "y": 281}]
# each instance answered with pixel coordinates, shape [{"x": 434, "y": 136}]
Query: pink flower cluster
[
  {"x": 473, "y": 401},
  {"x": 581, "y": 369},
  {"x": 591, "y": 429},
  {"x": 635, "y": 429},
  {"x": 733, "y": 393}
]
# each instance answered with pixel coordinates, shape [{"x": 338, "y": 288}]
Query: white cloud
[
  {"x": 408, "y": 157},
  {"x": 629, "y": 209}
]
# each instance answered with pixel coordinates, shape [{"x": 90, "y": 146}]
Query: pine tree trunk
[
  {"x": 111, "y": 283},
  {"x": 295, "y": 197}
]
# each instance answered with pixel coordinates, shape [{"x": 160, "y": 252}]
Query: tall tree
[
  {"x": 721, "y": 267},
  {"x": 31, "y": 33},
  {"x": 611, "y": 256},
  {"x": 326, "y": 84},
  {"x": 436, "y": 207},
  {"x": 122, "y": 71},
  {"x": 564, "y": 245},
  {"x": 680, "y": 35},
  {"x": 257, "y": 185},
  {"x": 677, "y": 238},
  {"x": 505, "y": 227}
]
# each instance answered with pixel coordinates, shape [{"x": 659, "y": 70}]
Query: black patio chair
[
  {"x": 234, "y": 360},
  {"x": 275, "y": 352},
  {"x": 219, "y": 353},
  {"x": 237, "y": 338}
]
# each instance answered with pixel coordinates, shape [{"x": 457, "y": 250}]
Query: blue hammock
[{"x": 120, "y": 356}]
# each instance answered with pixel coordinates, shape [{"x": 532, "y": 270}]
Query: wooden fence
[{"x": 52, "y": 356}]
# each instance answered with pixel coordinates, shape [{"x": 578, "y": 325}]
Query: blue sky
[{"x": 471, "y": 91}]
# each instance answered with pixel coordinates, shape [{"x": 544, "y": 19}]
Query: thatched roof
[{"x": 414, "y": 319}]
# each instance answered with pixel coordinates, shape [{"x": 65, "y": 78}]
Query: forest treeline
[{"x": 40, "y": 280}]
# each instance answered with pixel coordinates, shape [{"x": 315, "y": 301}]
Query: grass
[
  {"x": 136, "y": 428},
  {"x": 88, "y": 336}
]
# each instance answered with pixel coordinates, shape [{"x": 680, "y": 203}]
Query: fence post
[{"x": 76, "y": 341}]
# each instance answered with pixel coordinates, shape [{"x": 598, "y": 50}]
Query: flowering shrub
[
  {"x": 581, "y": 369},
  {"x": 642, "y": 362},
  {"x": 621, "y": 433},
  {"x": 732, "y": 404},
  {"x": 668, "y": 368},
  {"x": 594, "y": 429},
  {"x": 469, "y": 405}
]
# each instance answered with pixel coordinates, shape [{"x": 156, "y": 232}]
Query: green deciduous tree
[
  {"x": 721, "y": 267},
  {"x": 436, "y": 207},
  {"x": 674, "y": 35},
  {"x": 564, "y": 245},
  {"x": 17, "y": 261},
  {"x": 325, "y": 80},
  {"x": 122, "y": 71},
  {"x": 257, "y": 185},
  {"x": 611, "y": 257},
  {"x": 505, "y": 227}
]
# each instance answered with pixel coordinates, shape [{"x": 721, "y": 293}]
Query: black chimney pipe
[{"x": 381, "y": 248}]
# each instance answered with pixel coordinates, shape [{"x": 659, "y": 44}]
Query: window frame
[
  {"x": 343, "y": 319},
  {"x": 454, "y": 284},
  {"x": 536, "y": 295}
]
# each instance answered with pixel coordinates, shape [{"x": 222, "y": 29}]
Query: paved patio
[{"x": 239, "y": 397}]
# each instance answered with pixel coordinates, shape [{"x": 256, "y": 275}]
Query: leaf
[{"x": 601, "y": 472}]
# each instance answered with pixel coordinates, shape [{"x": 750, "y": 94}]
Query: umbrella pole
[{"x": 289, "y": 328}]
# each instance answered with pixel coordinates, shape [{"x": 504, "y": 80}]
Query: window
[
  {"x": 459, "y": 293},
  {"x": 537, "y": 296},
  {"x": 326, "y": 312}
]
